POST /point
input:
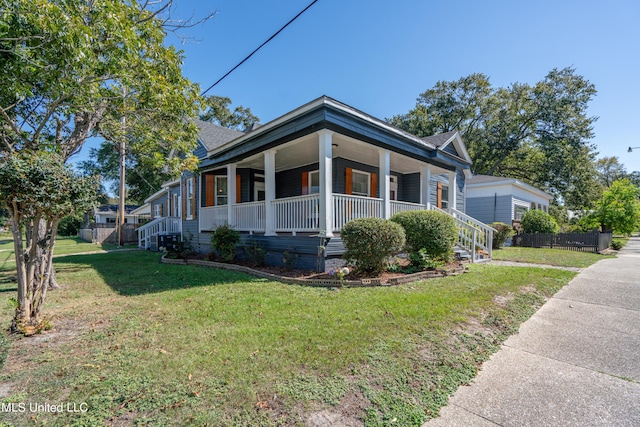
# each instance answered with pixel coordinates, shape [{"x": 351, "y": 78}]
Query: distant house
[
  {"x": 108, "y": 214},
  {"x": 306, "y": 174},
  {"x": 498, "y": 199}
]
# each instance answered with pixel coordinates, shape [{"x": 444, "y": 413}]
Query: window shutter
[
  {"x": 439, "y": 196},
  {"x": 348, "y": 181},
  {"x": 238, "y": 189},
  {"x": 209, "y": 188},
  {"x": 305, "y": 183},
  {"x": 194, "y": 200},
  {"x": 184, "y": 199},
  {"x": 161, "y": 206},
  {"x": 374, "y": 185}
]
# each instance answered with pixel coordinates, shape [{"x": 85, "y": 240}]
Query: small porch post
[
  {"x": 326, "y": 181},
  {"x": 231, "y": 194},
  {"x": 452, "y": 190},
  {"x": 269, "y": 191},
  {"x": 425, "y": 185},
  {"x": 385, "y": 166}
]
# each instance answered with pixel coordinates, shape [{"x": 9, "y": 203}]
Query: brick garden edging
[{"x": 327, "y": 283}]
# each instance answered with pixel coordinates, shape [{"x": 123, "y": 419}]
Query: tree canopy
[
  {"x": 147, "y": 171},
  {"x": 537, "y": 133},
  {"x": 72, "y": 69}
]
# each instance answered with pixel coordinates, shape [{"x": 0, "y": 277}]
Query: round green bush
[
  {"x": 537, "y": 221},
  {"x": 503, "y": 232},
  {"x": 434, "y": 231},
  {"x": 370, "y": 241},
  {"x": 224, "y": 240}
]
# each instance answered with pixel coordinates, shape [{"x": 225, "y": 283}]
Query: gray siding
[
  {"x": 460, "y": 181},
  {"x": 490, "y": 209},
  {"x": 289, "y": 182},
  {"x": 451, "y": 149}
]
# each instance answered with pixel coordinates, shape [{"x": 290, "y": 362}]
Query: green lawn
[
  {"x": 556, "y": 257},
  {"x": 64, "y": 246},
  {"x": 186, "y": 345}
]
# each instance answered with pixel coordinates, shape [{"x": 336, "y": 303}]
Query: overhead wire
[{"x": 260, "y": 47}]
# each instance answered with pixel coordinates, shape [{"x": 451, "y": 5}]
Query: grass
[
  {"x": 557, "y": 257},
  {"x": 143, "y": 343}
]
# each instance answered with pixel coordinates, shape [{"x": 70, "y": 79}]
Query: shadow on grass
[{"x": 138, "y": 272}]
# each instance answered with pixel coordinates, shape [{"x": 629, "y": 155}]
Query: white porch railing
[
  {"x": 473, "y": 235},
  {"x": 249, "y": 216},
  {"x": 159, "y": 226},
  {"x": 213, "y": 216},
  {"x": 346, "y": 208},
  {"x": 299, "y": 213},
  {"x": 397, "y": 207}
]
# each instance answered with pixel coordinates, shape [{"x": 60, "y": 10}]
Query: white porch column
[
  {"x": 269, "y": 191},
  {"x": 326, "y": 181},
  {"x": 425, "y": 185},
  {"x": 231, "y": 194},
  {"x": 385, "y": 173},
  {"x": 452, "y": 190}
]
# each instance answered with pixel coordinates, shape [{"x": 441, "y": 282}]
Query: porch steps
[{"x": 335, "y": 247}]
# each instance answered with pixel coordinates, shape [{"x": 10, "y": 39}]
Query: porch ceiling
[{"x": 304, "y": 151}]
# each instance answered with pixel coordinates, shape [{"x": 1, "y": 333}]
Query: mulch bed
[{"x": 310, "y": 278}]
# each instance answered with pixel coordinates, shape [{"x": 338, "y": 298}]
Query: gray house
[
  {"x": 307, "y": 173},
  {"x": 497, "y": 199}
]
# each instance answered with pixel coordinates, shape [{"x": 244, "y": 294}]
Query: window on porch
[{"x": 221, "y": 195}]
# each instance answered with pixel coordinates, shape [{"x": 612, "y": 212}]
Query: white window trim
[
  {"x": 189, "y": 197},
  {"x": 156, "y": 210},
  {"x": 355, "y": 171},
  {"x": 393, "y": 186},
  {"x": 444, "y": 201}
]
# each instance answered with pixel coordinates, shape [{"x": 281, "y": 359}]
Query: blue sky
[{"x": 378, "y": 56}]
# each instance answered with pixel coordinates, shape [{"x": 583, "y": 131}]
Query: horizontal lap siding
[
  {"x": 460, "y": 199},
  {"x": 409, "y": 188},
  {"x": 490, "y": 209}
]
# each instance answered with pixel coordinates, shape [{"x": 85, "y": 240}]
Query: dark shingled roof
[
  {"x": 213, "y": 136},
  {"x": 440, "y": 139}
]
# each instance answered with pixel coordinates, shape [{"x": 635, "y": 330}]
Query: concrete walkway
[{"x": 576, "y": 362}]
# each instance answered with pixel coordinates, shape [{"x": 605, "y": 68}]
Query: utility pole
[{"x": 122, "y": 173}]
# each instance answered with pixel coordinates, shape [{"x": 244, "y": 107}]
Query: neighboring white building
[
  {"x": 108, "y": 214},
  {"x": 497, "y": 199}
]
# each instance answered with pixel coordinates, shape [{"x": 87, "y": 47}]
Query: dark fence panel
[{"x": 586, "y": 242}]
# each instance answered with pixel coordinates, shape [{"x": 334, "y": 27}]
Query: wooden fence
[
  {"x": 109, "y": 235},
  {"x": 586, "y": 242}
]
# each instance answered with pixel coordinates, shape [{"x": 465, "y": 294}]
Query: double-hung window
[{"x": 361, "y": 183}]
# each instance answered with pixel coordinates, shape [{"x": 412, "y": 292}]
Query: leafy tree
[
  {"x": 619, "y": 208},
  {"x": 217, "y": 110},
  {"x": 609, "y": 170},
  {"x": 39, "y": 189},
  {"x": 538, "y": 133},
  {"x": 146, "y": 173},
  {"x": 71, "y": 69}
]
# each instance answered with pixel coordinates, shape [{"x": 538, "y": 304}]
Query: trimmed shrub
[
  {"x": 616, "y": 244},
  {"x": 503, "y": 232},
  {"x": 224, "y": 240},
  {"x": 537, "y": 221},
  {"x": 434, "y": 231},
  {"x": 370, "y": 241}
]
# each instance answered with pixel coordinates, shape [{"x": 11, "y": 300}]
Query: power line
[{"x": 260, "y": 47}]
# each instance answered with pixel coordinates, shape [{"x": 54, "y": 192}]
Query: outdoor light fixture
[{"x": 631, "y": 149}]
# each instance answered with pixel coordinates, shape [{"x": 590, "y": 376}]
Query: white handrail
[{"x": 298, "y": 213}]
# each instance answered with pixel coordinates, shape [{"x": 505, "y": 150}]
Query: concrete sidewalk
[{"x": 576, "y": 362}]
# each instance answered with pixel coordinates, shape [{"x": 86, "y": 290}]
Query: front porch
[{"x": 298, "y": 214}]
